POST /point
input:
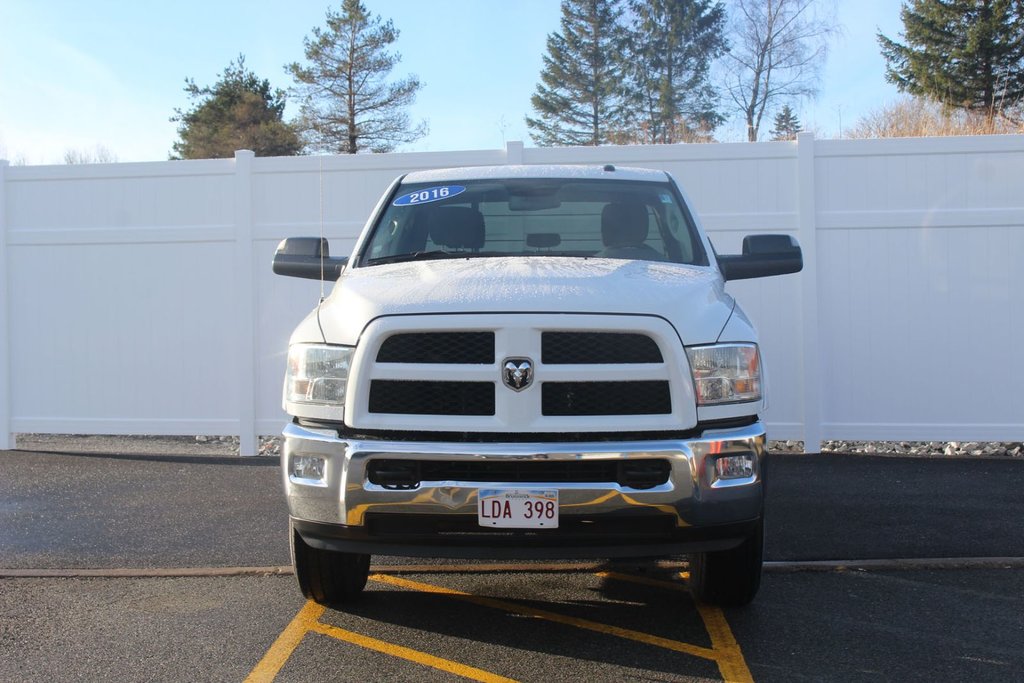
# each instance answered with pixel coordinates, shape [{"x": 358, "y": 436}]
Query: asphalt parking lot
[{"x": 168, "y": 563}]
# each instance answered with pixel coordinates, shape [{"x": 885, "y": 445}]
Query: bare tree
[
  {"x": 778, "y": 47},
  {"x": 911, "y": 117},
  {"x": 99, "y": 155}
]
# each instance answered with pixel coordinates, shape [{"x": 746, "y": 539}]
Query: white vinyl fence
[{"x": 138, "y": 298}]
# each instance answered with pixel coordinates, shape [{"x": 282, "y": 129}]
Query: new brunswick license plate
[{"x": 518, "y": 508}]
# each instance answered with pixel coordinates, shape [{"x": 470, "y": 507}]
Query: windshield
[{"x": 535, "y": 217}]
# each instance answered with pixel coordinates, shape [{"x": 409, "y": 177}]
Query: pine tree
[
  {"x": 787, "y": 125},
  {"x": 239, "y": 111},
  {"x": 963, "y": 53},
  {"x": 668, "y": 91},
  {"x": 577, "y": 101},
  {"x": 347, "y": 105}
]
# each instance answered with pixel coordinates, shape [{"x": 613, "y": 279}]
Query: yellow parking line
[
  {"x": 268, "y": 667},
  {"x": 730, "y": 660},
  {"x": 308, "y": 619},
  {"x": 513, "y": 608},
  {"x": 412, "y": 655},
  {"x": 729, "y": 657},
  {"x": 725, "y": 650}
]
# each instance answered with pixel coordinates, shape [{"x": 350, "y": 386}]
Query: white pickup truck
[{"x": 528, "y": 362}]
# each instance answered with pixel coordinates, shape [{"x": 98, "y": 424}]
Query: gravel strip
[
  {"x": 953, "y": 449},
  {"x": 271, "y": 446}
]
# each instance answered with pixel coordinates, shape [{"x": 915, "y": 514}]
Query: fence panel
[
  {"x": 919, "y": 244},
  {"x": 138, "y": 298},
  {"x": 121, "y": 293}
]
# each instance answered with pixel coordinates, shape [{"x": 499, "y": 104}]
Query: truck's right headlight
[
  {"x": 725, "y": 373},
  {"x": 317, "y": 374}
]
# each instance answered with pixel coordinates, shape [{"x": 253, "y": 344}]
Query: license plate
[{"x": 518, "y": 508}]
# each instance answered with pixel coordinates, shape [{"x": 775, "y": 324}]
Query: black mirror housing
[
  {"x": 307, "y": 257},
  {"x": 763, "y": 256}
]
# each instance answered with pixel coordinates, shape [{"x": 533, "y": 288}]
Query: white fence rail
[{"x": 138, "y": 298}]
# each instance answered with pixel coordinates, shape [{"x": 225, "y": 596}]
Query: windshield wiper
[{"x": 418, "y": 256}]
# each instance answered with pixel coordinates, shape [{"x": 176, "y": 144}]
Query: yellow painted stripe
[
  {"x": 307, "y": 620},
  {"x": 423, "y": 658},
  {"x": 513, "y": 608},
  {"x": 268, "y": 667},
  {"x": 730, "y": 658},
  {"x": 727, "y": 649}
]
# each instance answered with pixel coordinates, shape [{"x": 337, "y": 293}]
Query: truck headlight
[
  {"x": 317, "y": 374},
  {"x": 725, "y": 373}
]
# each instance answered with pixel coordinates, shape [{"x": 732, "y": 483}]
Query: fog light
[
  {"x": 308, "y": 469},
  {"x": 734, "y": 467}
]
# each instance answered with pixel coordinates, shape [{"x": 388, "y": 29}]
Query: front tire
[
  {"x": 729, "y": 578},
  {"x": 327, "y": 577}
]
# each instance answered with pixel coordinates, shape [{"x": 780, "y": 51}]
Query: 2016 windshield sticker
[{"x": 431, "y": 194}]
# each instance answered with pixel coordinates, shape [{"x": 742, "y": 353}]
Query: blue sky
[{"x": 74, "y": 75}]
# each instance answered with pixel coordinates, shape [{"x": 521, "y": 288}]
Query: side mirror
[
  {"x": 763, "y": 255},
  {"x": 307, "y": 257}
]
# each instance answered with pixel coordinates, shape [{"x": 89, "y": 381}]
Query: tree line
[
  {"x": 619, "y": 72},
  {"x": 643, "y": 71}
]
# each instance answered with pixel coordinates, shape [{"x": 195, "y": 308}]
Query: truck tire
[
  {"x": 327, "y": 577},
  {"x": 729, "y": 578}
]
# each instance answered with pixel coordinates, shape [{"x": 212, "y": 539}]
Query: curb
[{"x": 808, "y": 566}]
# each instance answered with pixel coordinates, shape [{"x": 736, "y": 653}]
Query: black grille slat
[
  {"x": 431, "y": 398},
  {"x": 563, "y": 399},
  {"x": 467, "y": 348},
  {"x": 404, "y": 474},
  {"x": 598, "y": 348}
]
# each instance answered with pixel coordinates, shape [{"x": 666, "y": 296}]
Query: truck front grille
[
  {"x": 431, "y": 398},
  {"x": 579, "y": 348},
  {"x": 468, "y": 348},
  {"x": 404, "y": 474},
  {"x": 606, "y": 398},
  {"x": 576, "y": 373}
]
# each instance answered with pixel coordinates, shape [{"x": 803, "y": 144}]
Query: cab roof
[{"x": 446, "y": 175}]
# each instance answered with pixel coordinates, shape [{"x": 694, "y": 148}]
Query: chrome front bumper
[{"x": 340, "y": 511}]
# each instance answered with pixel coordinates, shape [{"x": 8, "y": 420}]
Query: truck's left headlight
[
  {"x": 317, "y": 374},
  {"x": 725, "y": 373}
]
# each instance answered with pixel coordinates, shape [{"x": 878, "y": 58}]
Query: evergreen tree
[
  {"x": 239, "y": 111},
  {"x": 577, "y": 101},
  {"x": 347, "y": 104},
  {"x": 964, "y": 53},
  {"x": 787, "y": 125},
  {"x": 667, "y": 87}
]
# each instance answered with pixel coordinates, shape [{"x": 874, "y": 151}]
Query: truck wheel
[
  {"x": 729, "y": 578},
  {"x": 327, "y": 577}
]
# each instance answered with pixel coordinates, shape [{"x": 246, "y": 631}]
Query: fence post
[
  {"x": 7, "y": 440},
  {"x": 245, "y": 298},
  {"x": 807, "y": 229},
  {"x": 513, "y": 152}
]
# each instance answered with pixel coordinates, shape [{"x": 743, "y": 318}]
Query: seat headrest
[
  {"x": 624, "y": 224},
  {"x": 456, "y": 227}
]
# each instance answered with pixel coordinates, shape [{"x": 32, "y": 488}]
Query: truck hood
[{"x": 691, "y": 298}]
